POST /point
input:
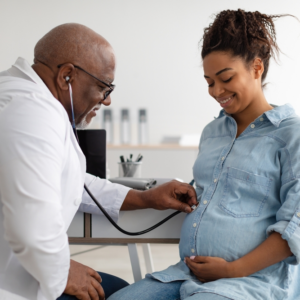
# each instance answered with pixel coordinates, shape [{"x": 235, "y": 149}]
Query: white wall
[{"x": 156, "y": 43}]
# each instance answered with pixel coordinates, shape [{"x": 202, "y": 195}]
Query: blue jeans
[
  {"x": 110, "y": 285},
  {"x": 151, "y": 289}
]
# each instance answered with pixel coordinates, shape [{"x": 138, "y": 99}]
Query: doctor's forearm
[
  {"x": 135, "y": 200},
  {"x": 271, "y": 251}
]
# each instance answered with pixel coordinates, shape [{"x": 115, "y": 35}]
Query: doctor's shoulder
[
  {"x": 31, "y": 96},
  {"x": 23, "y": 101}
]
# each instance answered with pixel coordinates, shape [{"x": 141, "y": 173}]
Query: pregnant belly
[{"x": 220, "y": 235}]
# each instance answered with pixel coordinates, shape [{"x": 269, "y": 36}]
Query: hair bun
[{"x": 244, "y": 34}]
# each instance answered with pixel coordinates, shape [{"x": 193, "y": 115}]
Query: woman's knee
[
  {"x": 111, "y": 284},
  {"x": 149, "y": 289}
]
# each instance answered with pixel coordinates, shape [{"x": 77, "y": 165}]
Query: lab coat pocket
[{"x": 244, "y": 194}]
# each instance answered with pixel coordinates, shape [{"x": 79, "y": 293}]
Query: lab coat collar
[
  {"x": 22, "y": 65},
  {"x": 275, "y": 115}
]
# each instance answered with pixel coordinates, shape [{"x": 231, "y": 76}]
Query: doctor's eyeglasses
[{"x": 110, "y": 86}]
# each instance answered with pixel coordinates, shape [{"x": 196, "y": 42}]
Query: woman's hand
[
  {"x": 273, "y": 250},
  {"x": 207, "y": 268}
]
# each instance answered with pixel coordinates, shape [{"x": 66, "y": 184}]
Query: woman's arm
[{"x": 273, "y": 250}]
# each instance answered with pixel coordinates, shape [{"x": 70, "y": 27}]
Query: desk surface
[{"x": 97, "y": 229}]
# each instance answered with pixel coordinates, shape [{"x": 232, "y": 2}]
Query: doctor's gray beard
[{"x": 83, "y": 123}]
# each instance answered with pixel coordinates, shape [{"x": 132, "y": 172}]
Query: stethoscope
[{"x": 96, "y": 201}]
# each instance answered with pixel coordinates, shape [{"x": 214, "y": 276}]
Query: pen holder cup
[{"x": 130, "y": 169}]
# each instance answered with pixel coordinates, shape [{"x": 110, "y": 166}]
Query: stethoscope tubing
[{"x": 121, "y": 229}]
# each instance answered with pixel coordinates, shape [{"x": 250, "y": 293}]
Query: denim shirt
[{"x": 247, "y": 187}]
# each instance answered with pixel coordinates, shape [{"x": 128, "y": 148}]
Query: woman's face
[{"x": 230, "y": 82}]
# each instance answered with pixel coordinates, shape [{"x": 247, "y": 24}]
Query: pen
[
  {"x": 138, "y": 157},
  {"x": 123, "y": 164}
]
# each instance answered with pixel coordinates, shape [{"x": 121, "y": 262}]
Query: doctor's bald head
[
  {"x": 74, "y": 43},
  {"x": 75, "y": 54}
]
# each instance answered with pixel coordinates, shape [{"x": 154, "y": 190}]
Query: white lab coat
[{"x": 42, "y": 172}]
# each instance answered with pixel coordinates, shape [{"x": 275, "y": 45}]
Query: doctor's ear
[{"x": 66, "y": 75}]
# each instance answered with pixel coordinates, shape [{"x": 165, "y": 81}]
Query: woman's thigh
[
  {"x": 110, "y": 285},
  {"x": 149, "y": 289},
  {"x": 206, "y": 296}
]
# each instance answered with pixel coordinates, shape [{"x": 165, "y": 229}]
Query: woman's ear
[
  {"x": 258, "y": 68},
  {"x": 66, "y": 75}
]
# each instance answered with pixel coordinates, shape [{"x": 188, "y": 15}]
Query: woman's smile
[{"x": 226, "y": 101}]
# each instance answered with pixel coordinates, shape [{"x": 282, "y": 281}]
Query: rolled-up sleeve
[
  {"x": 110, "y": 195},
  {"x": 288, "y": 215},
  {"x": 31, "y": 160}
]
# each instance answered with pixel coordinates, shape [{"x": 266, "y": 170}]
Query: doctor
[{"x": 42, "y": 169}]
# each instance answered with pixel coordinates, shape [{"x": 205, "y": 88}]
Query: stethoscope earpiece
[{"x": 67, "y": 78}]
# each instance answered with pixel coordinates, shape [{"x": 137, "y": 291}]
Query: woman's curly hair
[{"x": 244, "y": 34}]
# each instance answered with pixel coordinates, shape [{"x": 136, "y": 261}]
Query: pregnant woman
[{"x": 243, "y": 239}]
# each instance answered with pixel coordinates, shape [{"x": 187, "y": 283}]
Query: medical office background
[{"x": 158, "y": 68}]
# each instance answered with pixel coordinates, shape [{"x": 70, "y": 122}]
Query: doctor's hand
[
  {"x": 207, "y": 268},
  {"x": 171, "y": 195},
  {"x": 84, "y": 282}
]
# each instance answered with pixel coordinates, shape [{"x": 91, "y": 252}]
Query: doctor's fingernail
[
  {"x": 192, "y": 257},
  {"x": 184, "y": 261},
  {"x": 187, "y": 209}
]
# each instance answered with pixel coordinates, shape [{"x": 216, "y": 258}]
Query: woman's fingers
[
  {"x": 194, "y": 267},
  {"x": 200, "y": 259}
]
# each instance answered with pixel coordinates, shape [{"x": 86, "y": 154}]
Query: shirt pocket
[{"x": 244, "y": 194}]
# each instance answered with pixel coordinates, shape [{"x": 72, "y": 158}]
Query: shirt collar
[
  {"x": 279, "y": 113},
  {"x": 275, "y": 115}
]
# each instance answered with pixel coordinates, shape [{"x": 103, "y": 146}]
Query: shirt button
[
  {"x": 215, "y": 180},
  {"x": 261, "y": 119},
  {"x": 77, "y": 201},
  {"x": 223, "y": 158},
  {"x": 195, "y": 224},
  {"x": 204, "y": 202},
  {"x": 252, "y": 125},
  {"x": 298, "y": 214},
  {"x": 193, "y": 250}
]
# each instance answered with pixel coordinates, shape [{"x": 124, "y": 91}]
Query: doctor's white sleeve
[
  {"x": 32, "y": 135},
  {"x": 110, "y": 195}
]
